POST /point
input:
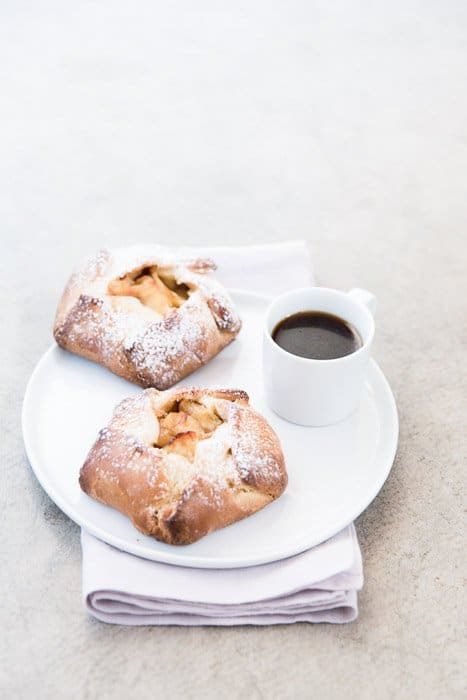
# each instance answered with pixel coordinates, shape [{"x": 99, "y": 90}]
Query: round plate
[{"x": 334, "y": 472}]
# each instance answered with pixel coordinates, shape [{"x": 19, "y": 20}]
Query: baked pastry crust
[
  {"x": 146, "y": 315},
  {"x": 184, "y": 462}
]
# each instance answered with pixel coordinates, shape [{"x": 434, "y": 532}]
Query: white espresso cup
[{"x": 317, "y": 392}]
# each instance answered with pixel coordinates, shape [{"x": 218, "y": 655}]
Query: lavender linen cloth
[{"x": 319, "y": 585}]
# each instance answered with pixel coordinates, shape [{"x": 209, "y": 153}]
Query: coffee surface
[{"x": 316, "y": 335}]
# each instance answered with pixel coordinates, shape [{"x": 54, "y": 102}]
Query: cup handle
[{"x": 362, "y": 296}]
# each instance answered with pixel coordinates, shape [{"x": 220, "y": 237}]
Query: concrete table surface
[{"x": 342, "y": 123}]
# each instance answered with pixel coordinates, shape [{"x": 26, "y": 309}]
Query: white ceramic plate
[{"x": 334, "y": 472}]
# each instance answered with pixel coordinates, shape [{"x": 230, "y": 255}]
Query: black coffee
[{"x": 316, "y": 335}]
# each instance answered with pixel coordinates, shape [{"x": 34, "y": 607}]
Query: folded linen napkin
[{"x": 319, "y": 585}]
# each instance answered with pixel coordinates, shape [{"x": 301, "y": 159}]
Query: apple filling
[
  {"x": 186, "y": 424},
  {"x": 154, "y": 288}
]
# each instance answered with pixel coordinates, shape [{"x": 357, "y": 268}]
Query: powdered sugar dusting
[
  {"x": 136, "y": 418},
  {"x": 215, "y": 464},
  {"x": 256, "y": 449},
  {"x": 151, "y": 484},
  {"x": 102, "y": 331},
  {"x": 170, "y": 348},
  {"x": 120, "y": 463},
  {"x": 127, "y": 336},
  {"x": 92, "y": 268}
]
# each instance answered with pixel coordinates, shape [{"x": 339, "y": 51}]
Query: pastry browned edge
[
  {"x": 146, "y": 315},
  {"x": 184, "y": 462}
]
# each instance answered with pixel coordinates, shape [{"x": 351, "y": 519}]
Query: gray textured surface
[{"x": 343, "y": 123}]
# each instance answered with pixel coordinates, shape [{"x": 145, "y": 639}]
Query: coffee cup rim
[{"x": 365, "y": 342}]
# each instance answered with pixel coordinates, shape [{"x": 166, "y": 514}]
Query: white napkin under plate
[{"x": 319, "y": 585}]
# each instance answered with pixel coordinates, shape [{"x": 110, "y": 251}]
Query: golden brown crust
[
  {"x": 213, "y": 477},
  {"x": 153, "y": 342}
]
